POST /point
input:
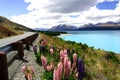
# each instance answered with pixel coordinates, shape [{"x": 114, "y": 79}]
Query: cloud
[
  {"x": 65, "y": 6},
  {"x": 48, "y": 13}
]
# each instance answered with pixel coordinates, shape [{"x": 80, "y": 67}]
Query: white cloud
[{"x": 48, "y": 13}]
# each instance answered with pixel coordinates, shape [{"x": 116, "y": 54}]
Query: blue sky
[
  {"x": 48, "y": 13},
  {"x": 107, "y": 5},
  {"x": 13, "y": 7}
]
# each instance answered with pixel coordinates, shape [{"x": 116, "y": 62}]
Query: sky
[{"x": 49, "y": 13}]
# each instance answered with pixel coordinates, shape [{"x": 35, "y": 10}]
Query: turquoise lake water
[{"x": 105, "y": 40}]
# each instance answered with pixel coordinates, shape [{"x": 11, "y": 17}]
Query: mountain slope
[
  {"x": 63, "y": 27},
  {"x": 9, "y": 28},
  {"x": 99, "y": 26}
]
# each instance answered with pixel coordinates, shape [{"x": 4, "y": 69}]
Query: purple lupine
[
  {"x": 35, "y": 49},
  {"x": 42, "y": 48},
  {"x": 80, "y": 69}
]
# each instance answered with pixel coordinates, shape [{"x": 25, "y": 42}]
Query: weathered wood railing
[{"x": 17, "y": 45}]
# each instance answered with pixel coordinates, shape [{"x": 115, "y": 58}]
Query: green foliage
[
  {"x": 48, "y": 75},
  {"x": 111, "y": 56},
  {"x": 38, "y": 60}
]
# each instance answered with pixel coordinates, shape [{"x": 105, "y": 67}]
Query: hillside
[
  {"x": 9, "y": 28},
  {"x": 98, "y": 64}
]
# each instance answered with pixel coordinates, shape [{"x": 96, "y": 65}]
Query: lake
[{"x": 105, "y": 40}]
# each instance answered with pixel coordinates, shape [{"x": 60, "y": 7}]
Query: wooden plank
[{"x": 3, "y": 66}]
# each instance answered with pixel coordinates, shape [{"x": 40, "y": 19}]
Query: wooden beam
[{"x": 3, "y": 66}]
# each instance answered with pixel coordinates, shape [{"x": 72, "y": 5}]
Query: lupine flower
[
  {"x": 51, "y": 51},
  {"x": 62, "y": 59},
  {"x": 65, "y": 66},
  {"x": 23, "y": 69},
  {"x": 74, "y": 61},
  {"x": 73, "y": 66},
  {"x": 29, "y": 76},
  {"x": 61, "y": 53},
  {"x": 75, "y": 57},
  {"x": 69, "y": 68},
  {"x": 35, "y": 49},
  {"x": 65, "y": 51},
  {"x": 65, "y": 55},
  {"x": 56, "y": 74},
  {"x": 48, "y": 68},
  {"x": 28, "y": 72},
  {"x": 44, "y": 62},
  {"x": 52, "y": 65},
  {"x": 60, "y": 68},
  {"x": 80, "y": 69}
]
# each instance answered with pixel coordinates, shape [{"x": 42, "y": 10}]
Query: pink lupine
[
  {"x": 75, "y": 57},
  {"x": 56, "y": 74},
  {"x": 65, "y": 55},
  {"x": 60, "y": 68},
  {"x": 52, "y": 65},
  {"x": 44, "y": 62},
  {"x": 65, "y": 51},
  {"x": 48, "y": 68},
  {"x": 61, "y": 59},
  {"x": 51, "y": 51},
  {"x": 65, "y": 66},
  {"x": 24, "y": 69},
  {"x": 29, "y": 76},
  {"x": 61, "y": 53},
  {"x": 74, "y": 61},
  {"x": 69, "y": 68}
]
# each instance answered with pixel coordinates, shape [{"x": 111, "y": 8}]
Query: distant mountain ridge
[
  {"x": 63, "y": 27},
  {"x": 99, "y": 26},
  {"x": 40, "y": 29},
  {"x": 9, "y": 28}
]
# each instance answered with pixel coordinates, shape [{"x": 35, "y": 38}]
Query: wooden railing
[{"x": 18, "y": 46}]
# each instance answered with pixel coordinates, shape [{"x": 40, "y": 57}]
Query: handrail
[{"x": 9, "y": 40}]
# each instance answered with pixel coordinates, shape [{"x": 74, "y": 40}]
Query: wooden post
[
  {"x": 3, "y": 67},
  {"x": 30, "y": 39},
  {"x": 20, "y": 50},
  {"x": 26, "y": 41},
  {"x": 19, "y": 47}
]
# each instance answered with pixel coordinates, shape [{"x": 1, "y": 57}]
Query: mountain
[
  {"x": 108, "y": 24},
  {"x": 101, "y": 26},
  {"x": 40, "y": 29},
  {"x": 63, "y": 27},
  {"x": 9, "y": 28}
]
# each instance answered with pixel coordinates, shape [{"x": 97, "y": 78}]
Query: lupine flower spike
[
  {"x": 44, "y": 62},
  {"x": 80, "y": 69}
]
